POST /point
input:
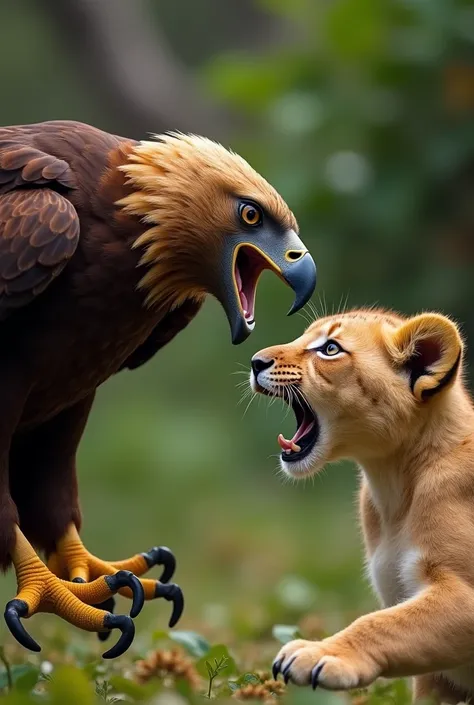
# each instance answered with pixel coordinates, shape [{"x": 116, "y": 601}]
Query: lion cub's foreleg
[{"x": 428, "y": 633}]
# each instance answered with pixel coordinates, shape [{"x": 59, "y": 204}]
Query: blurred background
[{"x": 360, "y": 113}]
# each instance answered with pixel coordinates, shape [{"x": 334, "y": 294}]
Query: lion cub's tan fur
[{"x": 395, "y": 402}]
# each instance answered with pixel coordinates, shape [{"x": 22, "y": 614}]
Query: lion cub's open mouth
[
  {"x": 307, "y": 426},
  {"x": 307, "y": 431}
]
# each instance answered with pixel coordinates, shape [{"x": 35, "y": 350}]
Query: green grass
[
  {"x": 225, "y": 673},
  {"x": 230, "y": 636}
]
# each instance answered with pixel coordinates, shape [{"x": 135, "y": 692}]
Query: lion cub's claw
[
  {"x": 315, "y": 675},
  {"x": 286, "y": 671},
  {"x": 276, "y": 666},
  {"x": 317, "y": 663}
]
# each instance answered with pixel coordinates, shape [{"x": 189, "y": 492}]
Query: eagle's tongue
[
  {"x": 243, "y": 298},
  {"x": 244, "y": 302},
  {"x": 238, "y": 279}
]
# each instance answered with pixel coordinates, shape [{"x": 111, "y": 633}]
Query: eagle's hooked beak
[{"x": 286, "y": 255}]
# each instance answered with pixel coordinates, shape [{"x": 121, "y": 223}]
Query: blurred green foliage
[
  {"x": 361, "y": 115},
  {"x": 366, "y": 127},
  {"x": 166, "y": 675}
]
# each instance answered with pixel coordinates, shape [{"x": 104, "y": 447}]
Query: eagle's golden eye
[{"x": 250, "y": 214}]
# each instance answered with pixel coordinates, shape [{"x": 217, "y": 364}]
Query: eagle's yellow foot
[
  {"x": 39, "y": 590},
  {"x": 73, "y": 561}
]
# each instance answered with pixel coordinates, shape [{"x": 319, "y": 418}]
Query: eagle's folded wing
[{"x": 39, "y": 227}]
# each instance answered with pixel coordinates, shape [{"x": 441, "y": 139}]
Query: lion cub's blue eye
[{"x": 330, "y": 349}]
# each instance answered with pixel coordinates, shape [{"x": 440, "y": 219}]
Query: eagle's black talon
[
  {"x": 286, "y": 671},
  {"x": 125, "y": 578},
  {"x": 13, "y": 611},
  {"x": 78, "y": 580},
  {"x": 126, "y": 626},
  {"x": 161, "y": 555},
  {"x": 107, "y": 605},
  {"x": 315, "y": 675},
  {"x": 174, "y": 594},
  {"x": 276, "y": 668}
]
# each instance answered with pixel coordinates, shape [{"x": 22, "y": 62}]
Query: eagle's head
[{"x": 214, "y": 225}]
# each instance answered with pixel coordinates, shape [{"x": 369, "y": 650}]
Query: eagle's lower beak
[{"x": 286, "y": 256}]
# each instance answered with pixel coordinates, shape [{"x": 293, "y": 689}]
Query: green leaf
[
  {"x": 94, "y": 669},
  {"x": 160, "y": 635},
  {"x": 69, "y": 685},
  {"x": 244, "y": 679},
  {"x": 27, "y": 680},
  {"x": 249, "y": 84},
  {"x": 3, "y": 680},
  {"x": 130, "y": 688},
  {"x": 18, "y": 672},
  {"x": 357, "y": 29},
  {"x": 194, "y": 643},
  {"x": 217, "y": 653},
  {"x": 183, "y": 687},
  {"x": 285, "y": 633}
]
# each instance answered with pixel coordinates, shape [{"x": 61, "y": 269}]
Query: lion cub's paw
[{"x": 317, "y": 663}]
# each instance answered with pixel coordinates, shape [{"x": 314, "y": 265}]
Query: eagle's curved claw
[
  {"x": 125, "y": 578},
  {"x": 174, "y": 594},
  {"x": 126, "y": 626},
  {"x": 13, "y": 611},
  {"x": 161, "y": 555},
  {"x": 117, "y": 581}
]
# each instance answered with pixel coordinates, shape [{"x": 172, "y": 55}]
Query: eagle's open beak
[{"x": 286, "y": 256}]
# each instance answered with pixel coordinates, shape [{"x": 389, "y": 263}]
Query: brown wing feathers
[
  {"x": 22, "y": 166},
  {"x": 39, "y": 228},
  {"x": 39, "y": 231}
]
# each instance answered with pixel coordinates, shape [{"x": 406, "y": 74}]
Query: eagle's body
[
  {"x": 86, "y": 325},
  {"x": 91, "y": 318},
  {"x": 107, "y": 249}
]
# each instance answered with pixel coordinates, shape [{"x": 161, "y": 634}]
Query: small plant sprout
[{"x": 214, "y": 670}]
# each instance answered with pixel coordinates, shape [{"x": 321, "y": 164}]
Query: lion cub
[{"x": 388, "y": 392}]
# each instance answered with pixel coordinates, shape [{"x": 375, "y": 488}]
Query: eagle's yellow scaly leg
[
  {"x": 39, "y": 590},
  {"x": 75, "y": 563}
]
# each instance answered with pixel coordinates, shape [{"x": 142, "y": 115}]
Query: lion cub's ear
[{"x": 429, "y": 347}]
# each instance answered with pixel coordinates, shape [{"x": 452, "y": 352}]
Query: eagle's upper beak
[{"x": 244, "y": 262}]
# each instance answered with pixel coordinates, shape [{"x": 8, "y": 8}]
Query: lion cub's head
[{"x": 360, "y": 383}]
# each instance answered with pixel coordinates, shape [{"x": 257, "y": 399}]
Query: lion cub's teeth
[
  {"x": 288, "y": 446},
  {"x": 294, "y": 448}
]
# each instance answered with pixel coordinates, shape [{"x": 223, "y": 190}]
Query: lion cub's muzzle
[
  {"x": 271, "y": 378},
  {"x": 270, "y": 375}
]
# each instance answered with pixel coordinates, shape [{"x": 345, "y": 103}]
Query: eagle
[{"x": 108, "y": 248}]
